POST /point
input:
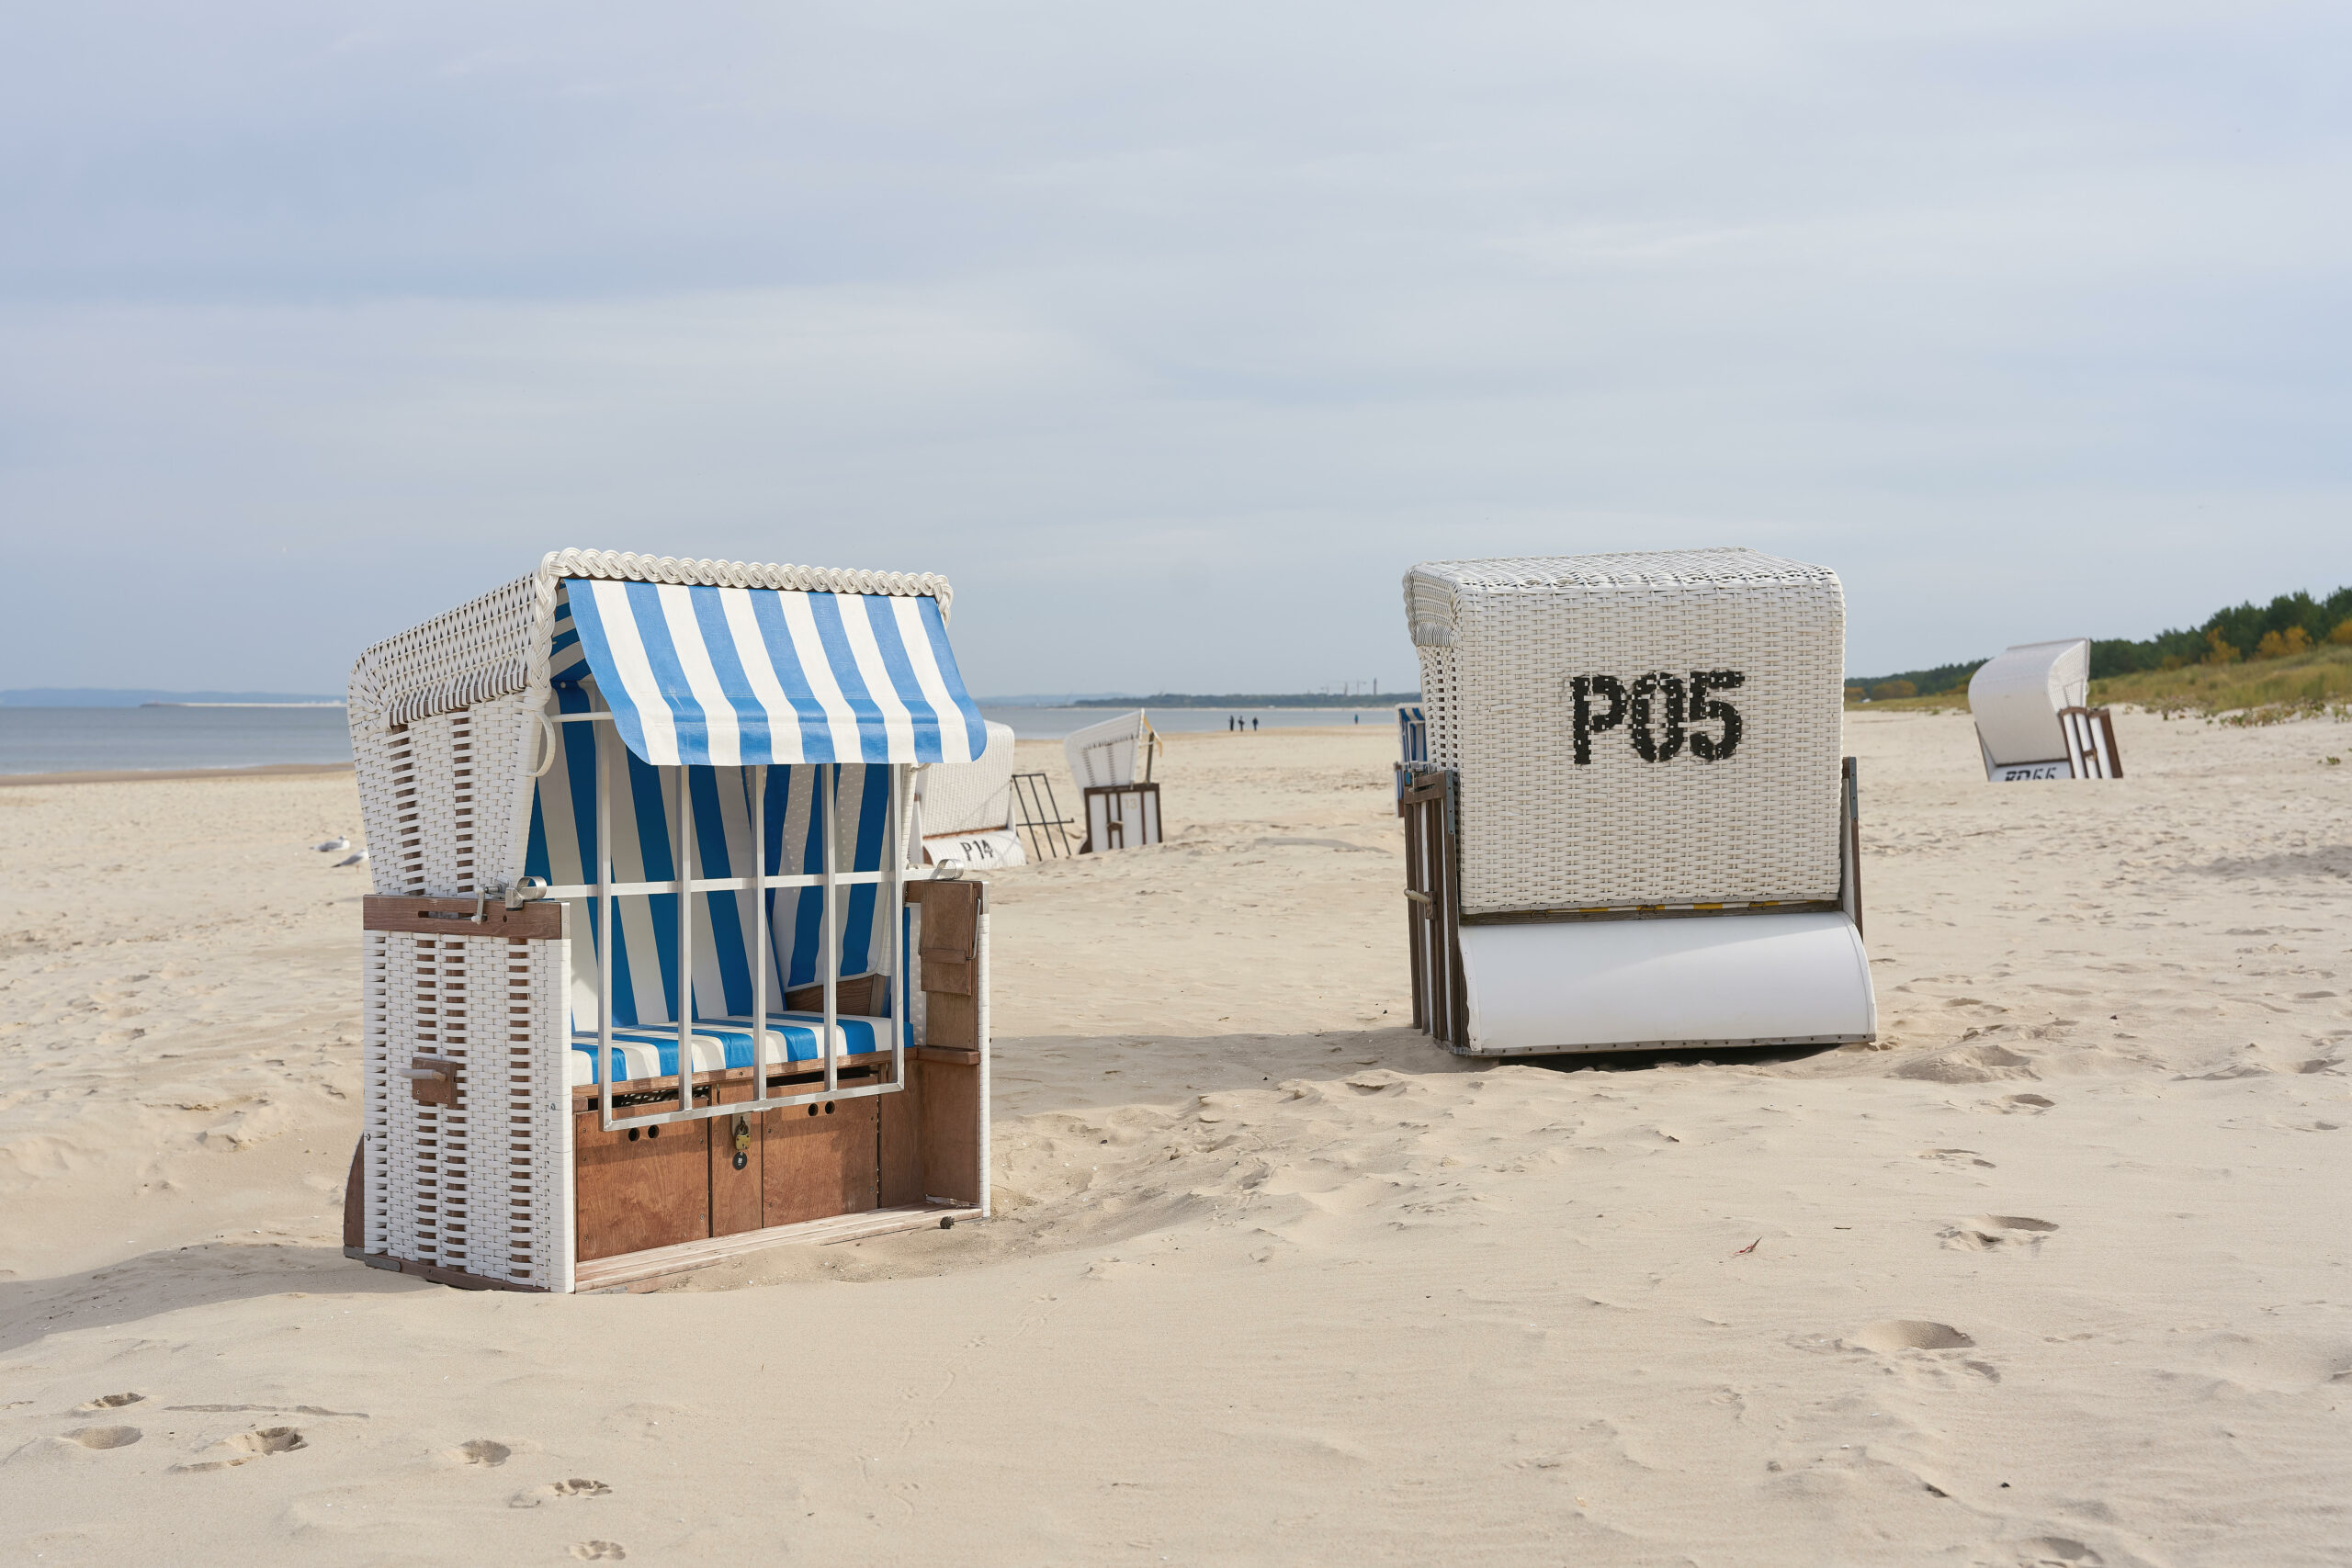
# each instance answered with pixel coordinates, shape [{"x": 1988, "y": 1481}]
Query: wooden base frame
[
  {"x": 1426, "y": 799},
  {"x": 653, "y": 1200}
]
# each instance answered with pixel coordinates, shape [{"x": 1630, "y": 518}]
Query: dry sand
[{"x": 2056, "y": 1274}]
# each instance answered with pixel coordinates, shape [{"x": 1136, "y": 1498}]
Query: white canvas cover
[
  {"x": 1603, "y": 985},
  {"x": 1108, "y": 753},
  {"x": 960, "y": 797},
  {"x": 2016, "y": 697}
]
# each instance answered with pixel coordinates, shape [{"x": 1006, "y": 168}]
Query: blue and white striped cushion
[{"x": 726, "y": 1043}]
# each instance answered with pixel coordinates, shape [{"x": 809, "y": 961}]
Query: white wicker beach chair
[
  {"x": 1634, "y": 827},
  {"x": 646, "y": 982},
  {"x": 2030, "y": 721},
  {"x": 965, "y": 810},
  {"x": 1121, "y": 810}
]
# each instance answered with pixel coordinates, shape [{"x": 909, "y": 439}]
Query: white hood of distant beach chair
[
  {"x": 1619, "y": 985},
  {"x": 969, "y": 797},
  {"x": 1106, "y": 755},
  {"x": 2016, "y": 697}
]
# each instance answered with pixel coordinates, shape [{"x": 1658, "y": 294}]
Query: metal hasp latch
[{"x": 742, "y": 1142}]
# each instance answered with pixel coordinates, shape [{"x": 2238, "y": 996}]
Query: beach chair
[
  {"x": 1122, "y": 811},
  {"x": 1634, "y": 829},
  {"x": 647, "y": 980},
  {"x": 1412, "y": 746},
  {"x": 965, "y": 809},
  {"x": 2031, "y": 719}
]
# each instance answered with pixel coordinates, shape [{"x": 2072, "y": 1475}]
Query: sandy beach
[{"x": 2057, "y": 1272}]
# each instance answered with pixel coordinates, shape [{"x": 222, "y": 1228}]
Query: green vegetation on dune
[
  {"x": 2265, "y": 690},
  {"x": 2290, "y": 656}
]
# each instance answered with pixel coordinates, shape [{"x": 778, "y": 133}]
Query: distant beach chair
[
  {"x": 1122, "y": 811},
  {"x": 1633, "y": 828},
  {"x": 2030, "y": 721},
  {"x": 966, "y": 810},
  {"x": 583, "y": 1068},
  {"x": 1412, "y": 746}
]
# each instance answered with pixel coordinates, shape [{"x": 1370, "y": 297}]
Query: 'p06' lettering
[{"x": 1659, "y": 714}]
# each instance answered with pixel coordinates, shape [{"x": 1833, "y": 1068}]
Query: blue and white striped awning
[{"x": 738, "y": 677}]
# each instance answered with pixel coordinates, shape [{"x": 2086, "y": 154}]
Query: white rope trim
[{"x": 499, "y": 643}]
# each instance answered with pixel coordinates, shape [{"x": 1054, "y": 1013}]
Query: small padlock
[{"x": 742, "y": 1143}]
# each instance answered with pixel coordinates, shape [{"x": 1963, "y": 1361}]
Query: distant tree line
[{"x": 2289, "y": 625}]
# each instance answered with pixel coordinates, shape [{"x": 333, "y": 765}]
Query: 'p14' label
[{"x": 1658, "y": 714}]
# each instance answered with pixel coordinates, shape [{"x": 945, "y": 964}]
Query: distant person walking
[{"x": 1253, "y": 724}]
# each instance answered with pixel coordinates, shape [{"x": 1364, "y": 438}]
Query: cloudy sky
[{"x": 1172, "y": 333}]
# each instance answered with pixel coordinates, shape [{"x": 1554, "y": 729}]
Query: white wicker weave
[{"x": 1503, "y": 645}]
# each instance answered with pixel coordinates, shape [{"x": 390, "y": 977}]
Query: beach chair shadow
[{"x": 156, "y": 1282}]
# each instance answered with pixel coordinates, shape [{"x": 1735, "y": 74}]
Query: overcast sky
[{"x": 1172, "y": 333}]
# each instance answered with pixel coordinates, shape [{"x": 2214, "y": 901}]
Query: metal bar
[
  {"x": 829, "y": 961},
  {"x": 604, "y": 715},
  {"x": 686, "y": 941},
  {"x": 758, "y": 937},
  {"x": 714, "y": 885},
  {"x": 605, "y": 935}
]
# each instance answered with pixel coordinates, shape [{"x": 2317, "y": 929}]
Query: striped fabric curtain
[{"x": 788, "y": 842}]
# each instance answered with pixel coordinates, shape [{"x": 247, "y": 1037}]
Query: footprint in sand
[
  {"x": 2056, "y": 1552},
  {"x": 1984, "y": 1233},
  {"x": 598, "y": 1550},
  {"x": 2031, "y": 1104},
  {"x": 1892, "y": 1334},
  {"x": 109, "y": 1401},
  {"x": 1955, "y": 1157},
  {"x": 576, "y": 1487},
  {"x": 481, "y": 1450},
  {"x": 104, "y": 1437},
  {"x": 246, "y": 1448}
]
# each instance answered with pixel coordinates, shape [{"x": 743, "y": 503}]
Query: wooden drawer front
[
  {"x": 735, "y": 1194},
  {"x": 816, "y": 1166},
  {"x": 647, "y": 1191}
]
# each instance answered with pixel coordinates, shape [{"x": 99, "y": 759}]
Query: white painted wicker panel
[
  {"x": 1500, "y": 643},
  {"x": 375, "y": 1101},
  {"x": 548, "y": 1172},
  {"x": 980, "y": 1005},
  {"x": 398, "y": 1194}
]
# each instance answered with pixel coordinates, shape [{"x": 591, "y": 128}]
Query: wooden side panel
[
  {"x": 354, "y": 1202},
  {"x": 948, "y": 1112},
  {"x": 951, "y": 1020},
  {"x": 901, "y": 1140},
  {"x": 735, "y": 1194},
  {"x": 951, "y": 933},
  {"x": 816, "y": 1166},
  {"x": 651, "y": 1189}
]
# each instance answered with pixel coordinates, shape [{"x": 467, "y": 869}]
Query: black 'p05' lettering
[
  {"x": 1710, "y": 748},
  {"x": 1582, "y": 690},
  {"x": 1660, "y": 715}
]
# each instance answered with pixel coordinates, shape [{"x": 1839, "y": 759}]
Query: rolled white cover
[
  {"x": 1709, "y": 980},
  {"x": 2014, "y": 700}
]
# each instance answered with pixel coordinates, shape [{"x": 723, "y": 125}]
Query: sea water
[{"x": 75, "y": 741}]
